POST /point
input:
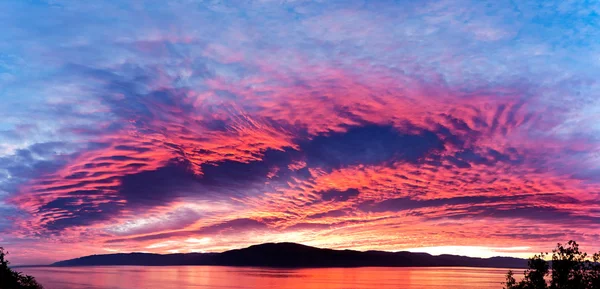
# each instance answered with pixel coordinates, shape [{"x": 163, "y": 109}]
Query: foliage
[
  {"x": 571, "y": 269},
  {"x": 10, "y": 279}
]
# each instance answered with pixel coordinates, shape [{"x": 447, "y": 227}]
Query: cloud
[
  {"x": 406, "y": 203},
  {"x": 368, "y": 145},
  {"x": 334, "y": 195},
  {"x": 325, "y": 123},
  {"x": 226, "y": 227}
]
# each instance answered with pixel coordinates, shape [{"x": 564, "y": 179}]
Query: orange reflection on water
[{"x": 188, "y": 277}]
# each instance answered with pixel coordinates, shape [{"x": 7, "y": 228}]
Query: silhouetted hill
[{"x": 296, "y": 255}]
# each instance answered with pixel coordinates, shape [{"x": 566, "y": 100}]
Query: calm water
[{"x": 187, "y": 277}]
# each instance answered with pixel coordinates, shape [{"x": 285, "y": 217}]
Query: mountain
[{"x": 295, "y": 255}]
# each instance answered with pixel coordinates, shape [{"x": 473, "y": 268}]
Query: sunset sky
[{"x": 461, "y": 127}]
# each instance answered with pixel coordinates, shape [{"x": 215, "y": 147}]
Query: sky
[{"x": 461, "y": 127}]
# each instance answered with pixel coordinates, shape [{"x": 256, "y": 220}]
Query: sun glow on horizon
[{"x": 476, "y": 251}]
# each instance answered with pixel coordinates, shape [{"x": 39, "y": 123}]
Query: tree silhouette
[
  {"x": 571, "y": 269},
  {"x": 10, "y": 279}
]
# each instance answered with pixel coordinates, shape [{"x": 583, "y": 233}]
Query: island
[{"x": 292, "y": 255}]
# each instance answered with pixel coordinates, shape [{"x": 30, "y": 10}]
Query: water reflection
[{"x": 187, "y": 277}]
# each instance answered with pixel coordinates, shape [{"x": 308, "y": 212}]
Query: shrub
[
  {"x": 10, "y": 279},
  {"x": 571, "y": 269}
]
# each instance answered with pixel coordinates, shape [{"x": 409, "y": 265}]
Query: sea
[{"x": 197, "y": 277}]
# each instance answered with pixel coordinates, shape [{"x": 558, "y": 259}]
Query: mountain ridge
[{"x": 292, "y": 255}]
